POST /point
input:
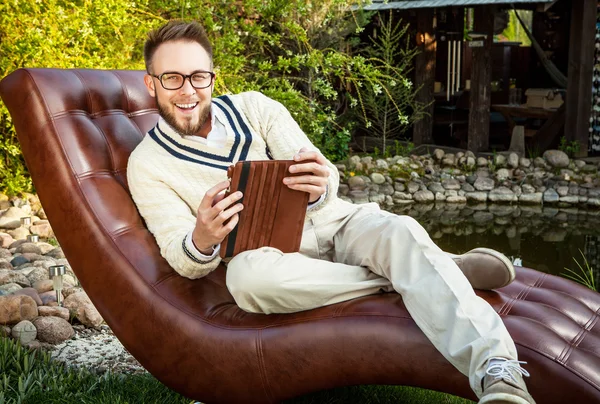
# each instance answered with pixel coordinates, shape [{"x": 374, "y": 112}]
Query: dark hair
[{"x": 175, "y": 30}]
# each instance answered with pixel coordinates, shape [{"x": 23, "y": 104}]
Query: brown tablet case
[{"x": 273, "y": 214}]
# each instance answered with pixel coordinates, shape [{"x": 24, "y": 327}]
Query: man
[{"x": 177, "y": 176}]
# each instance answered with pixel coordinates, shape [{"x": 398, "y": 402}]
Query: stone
[
  {"x": 43, "y": 285},
  {"x": 10, "y": 288},
  {"x": 12, "y": 276},
  {"x": 24, "y": 332},
  {"x": 53, "y": 330},
  {"x": 14, "y": 309},
  {"x": 343, "y": 189},
  {"x": 19, "y": 234},
  {"x": 31, "y": 292},
  {"x": 484, "y": 184},
  {"x": 378, "y": 198},
  {"x": 5, "y": 264},
  {"x": 467, "y": 187},
  {"x": 448, "y": 160},
  {"x": 524, "y": 162},
  {"x": 503, "y": 174},
  {"x": 83, "y": 309},
  {"x": 48, "y": 297},
  {"x": 471, "y": 162},
  {"x": 556, "y": 158},
  {"x": 595, "y": 202},
  {"x": 6, "y": 240},
  {"x": 456, "y": 199},
  {"x": 440, "y": 196},
  {"x": 42, "y": 228},
  {"x": 438, "y": 154},
  {"x": 38, "y": 273},
  {"x": 4, "y": 331},
  {"x": 499, "y": 160},
  {"x": 353, "y": 160},
  {"x": 424, "y": 196},
  {"x": 531, "y": 198},
  {"x": 19, "y": 260},
  {"x": 402, "y": 196},
  {"x": 513, "y": 160},
  {"x": 562, "y": 191},
  {"x": 377, "y": 178},
  {"x": 356, "y": 183},
  {"x": 451, "y": 184},
  {"x": 386, "y": 189},
  {"x": 412, "y": 187},
  {"x": 359, "y": 196},
  {"x": 45, "y": 248},
  {"x": 528, "y": 189},
  {"x": 28, "y": 248},
  {"x": 551, "y": 196},
  {"x": 476, "y": 196},
  {"x": 381, "y": 164},
  {"x": 570, "y": 199},
  {"x": 11, "y": 214},
  {"x": 482, "y": 162},
  {"x": 435, "y": 187},
  {"x": 502, "y": 194}
]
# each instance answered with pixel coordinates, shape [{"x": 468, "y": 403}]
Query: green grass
[
  {"x": 32, "y": 377},
  {"x": 586, "y": 275}
]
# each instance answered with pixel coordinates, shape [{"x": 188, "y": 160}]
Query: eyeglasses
[{"x": 174, "y": 81}]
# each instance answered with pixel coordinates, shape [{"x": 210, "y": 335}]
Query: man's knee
[{"x": 252, "y": 278}]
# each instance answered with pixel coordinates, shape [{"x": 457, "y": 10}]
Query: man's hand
[
  {"x": 314, "y": 181},
  {"x": 211, "y": 221}
]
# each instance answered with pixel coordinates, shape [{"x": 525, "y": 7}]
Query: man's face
[{"x": 186, "y": 109}]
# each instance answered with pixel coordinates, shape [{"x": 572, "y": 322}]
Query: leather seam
[
  {"x": 261, "y": 366},
  {"x": 570, "y": 369},
  {"x": 123, "y": 89}
]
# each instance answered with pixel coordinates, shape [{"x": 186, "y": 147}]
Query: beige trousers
[{"x": 367, "y": 251}]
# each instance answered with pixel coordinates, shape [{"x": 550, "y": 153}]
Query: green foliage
[
  {"x": 64, "y": 34},
  {"x": 389, "y": 105},
  {"x": 514, "y": 32},
  {"x": 585, "y": 275},
  {"x": 570, "y": 148},
  {"x": 298, "y": 52},
  {"x": 28, "y": 376}
]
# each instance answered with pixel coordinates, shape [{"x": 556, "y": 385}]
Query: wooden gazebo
[{"x": 575, "y": 114}]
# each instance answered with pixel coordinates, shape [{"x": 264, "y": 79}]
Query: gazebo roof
[{"x": 408, "y": 4}]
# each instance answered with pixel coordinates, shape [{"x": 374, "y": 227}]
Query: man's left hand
[{"x": 316, "y": 172}]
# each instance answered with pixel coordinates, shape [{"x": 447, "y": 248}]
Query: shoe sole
[
  {"x": 509, "y": 266},
  {"x": 503, "y": 398}
]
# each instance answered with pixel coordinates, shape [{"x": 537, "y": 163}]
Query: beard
[{"x": 189, "y": 127}]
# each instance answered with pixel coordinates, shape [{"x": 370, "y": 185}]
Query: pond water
[{"x": 548, "y": 239}]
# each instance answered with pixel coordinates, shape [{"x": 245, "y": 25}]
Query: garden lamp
[
  {"x": 56, "y": 273},
  {"x": 25, "y": 221},
  {"x": 33, "y": 238}
]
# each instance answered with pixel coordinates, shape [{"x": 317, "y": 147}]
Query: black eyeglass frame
[{"x": 185, "y": 77}]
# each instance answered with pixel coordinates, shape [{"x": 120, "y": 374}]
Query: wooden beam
[
  {"x": 481, "y": 76},
  {"x": 581, "y": 63},
  {"x": 425, "y": 75}
]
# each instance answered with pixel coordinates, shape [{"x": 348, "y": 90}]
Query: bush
[
  {"x": 295, "y": 51},
  {"x": 104, "y": 34}
]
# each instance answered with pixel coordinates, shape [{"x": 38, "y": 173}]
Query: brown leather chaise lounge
[{"x": 77, "y": 128}]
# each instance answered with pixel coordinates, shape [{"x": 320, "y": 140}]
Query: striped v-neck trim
[{"x": 199, "y": 154}]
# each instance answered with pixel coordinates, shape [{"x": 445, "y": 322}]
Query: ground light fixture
[
  {"x": 25, "y": 221},
  {"x": 33, "y": 238},
  {"x": 56, "y": 273}
]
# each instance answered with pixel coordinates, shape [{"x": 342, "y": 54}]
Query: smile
[{"x": 186, "y": 106}]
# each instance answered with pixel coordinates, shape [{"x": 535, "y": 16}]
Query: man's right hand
[{"x": 212, "y": 224}]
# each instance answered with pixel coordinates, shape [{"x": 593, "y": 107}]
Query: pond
[{"x": 548, "y": 239}]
